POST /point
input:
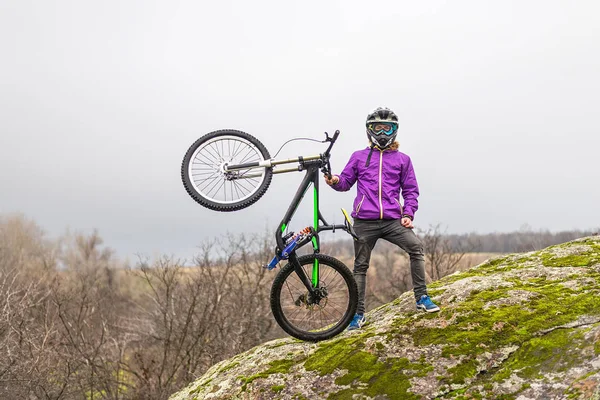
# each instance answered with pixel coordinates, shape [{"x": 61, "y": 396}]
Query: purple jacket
[{"x": 379, "y": 184}]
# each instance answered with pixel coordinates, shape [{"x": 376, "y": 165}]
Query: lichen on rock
[{"x": 523, "y": 326}]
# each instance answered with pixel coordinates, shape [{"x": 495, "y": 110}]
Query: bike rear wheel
[
  {"x": 292, "y": 307},
  {"x": 206, "y": 178}
]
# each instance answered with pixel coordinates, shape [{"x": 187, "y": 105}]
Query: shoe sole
[{"x": 419, "y": 308}]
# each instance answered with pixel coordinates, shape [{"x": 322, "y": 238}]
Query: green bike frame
[{"x": 312, "y": 165}]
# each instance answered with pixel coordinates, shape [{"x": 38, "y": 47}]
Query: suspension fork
[{"x": 300, "y": 272}]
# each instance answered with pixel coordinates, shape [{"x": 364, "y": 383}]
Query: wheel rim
[
  {"x": 330, "y": 311},
  {"x": 208, "y": 176}
]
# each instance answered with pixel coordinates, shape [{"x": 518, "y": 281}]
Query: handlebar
[
  {"x": 323, "y": 159},
  {"x": 336, "y": 134},
  {"x": 327, "y": 167}
]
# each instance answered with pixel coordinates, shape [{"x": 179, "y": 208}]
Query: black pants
[{"x": 368, "y": 232}]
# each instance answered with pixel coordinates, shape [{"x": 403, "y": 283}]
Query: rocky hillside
[{"x": 524, "y": 326}]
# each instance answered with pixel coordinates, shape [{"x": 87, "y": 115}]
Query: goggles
[{"x": 382, "y": 127}]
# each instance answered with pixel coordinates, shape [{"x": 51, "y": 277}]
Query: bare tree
[
  {"x": 191, "y": 317},
  {"x": 441, "y": 255},
  {"x": 27, "y": 265},
  {"x": 86, "y": 303}
]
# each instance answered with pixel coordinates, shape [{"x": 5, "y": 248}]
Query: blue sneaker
[
  {"x": 426, "y": 304},
  {"x": 357, "y": 322}
]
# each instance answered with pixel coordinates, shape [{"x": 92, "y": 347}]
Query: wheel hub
[
  {"x": 319, "y": 297},
  {"x": 223, "y": 167},
  {"x": 228, "y": 175}
]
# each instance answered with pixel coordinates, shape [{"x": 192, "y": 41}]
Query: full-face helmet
[{"x": 382, "y": 127}]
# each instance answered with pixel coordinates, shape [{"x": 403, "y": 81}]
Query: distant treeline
[
  {"x": 513, "y": 242},
  {"x": 505, "y": 242}
]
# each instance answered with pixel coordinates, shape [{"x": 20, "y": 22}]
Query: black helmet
[{"x": 382, "y": 127}]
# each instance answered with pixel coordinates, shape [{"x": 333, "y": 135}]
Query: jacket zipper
[
  {"x": 359, "y": 205},
  {"x": 399, "y": 205},
  {"x": 380, "y": 169}
]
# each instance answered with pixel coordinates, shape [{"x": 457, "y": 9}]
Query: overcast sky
[{"x": 99, "y": 101}]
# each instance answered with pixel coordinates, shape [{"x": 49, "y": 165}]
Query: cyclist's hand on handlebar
[{"x": 334, "y": 179}]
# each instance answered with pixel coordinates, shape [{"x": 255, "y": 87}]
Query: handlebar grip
[
  {"x": 331, "y": 142},
  {"x": 328, "y": 170}
]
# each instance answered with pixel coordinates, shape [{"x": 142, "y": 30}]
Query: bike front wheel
[
  {"x": 208, "y": 181},
  {"x": 305, "y": 319}
]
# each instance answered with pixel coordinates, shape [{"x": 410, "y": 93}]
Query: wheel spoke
[
  {"x": 208, "y": 182},
  {"x": 218, "y": 188},
  {"x": 213, "y": 147},
  {"x": 242, "y": 186},
  {"x": 203, "y": 163},
  {"x": 210, "y": 156},
  {"x": 240, "y": 148},
  {"x": 248, "y": 157},
  {"x": 234, "y": 185},
  {"x": 210, "y": 187},
  {"x": 242, "y": 189}
]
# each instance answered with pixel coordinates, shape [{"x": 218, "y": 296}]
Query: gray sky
[{"x": 498, "y": 105}]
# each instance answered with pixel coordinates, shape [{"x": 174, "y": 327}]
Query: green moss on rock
[
  {"x": 463, "y": 371},
  {"x": 275, "y": 367},
  {"x": 540, "y": 355},
  {"x": 229, "y": 366},
  {"x": 277, "y": 388},
  {"x": 507, "y": 324},
  {"x": 390, "y": 376}
]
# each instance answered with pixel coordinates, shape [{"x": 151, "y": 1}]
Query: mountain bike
[{"x": 314, "y": 296}]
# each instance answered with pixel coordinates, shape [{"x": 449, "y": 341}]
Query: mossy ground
[
  {"x": 365, "y": 373},
  {"x": 521, "y": 324},
  {"x": 553, "y": 352},
  {"x": 277, "y": 388},
  {"x": 473, "y": 329},
  {"x": 521, "y": 314},
  {"x": 275, "y": 367},
  {"x": 477, "y": 330}
]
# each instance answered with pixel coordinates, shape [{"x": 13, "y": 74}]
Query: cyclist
[{"x": 382, "y": 172}]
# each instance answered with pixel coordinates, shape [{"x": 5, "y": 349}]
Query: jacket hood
[{"x": 393, "y": 147}]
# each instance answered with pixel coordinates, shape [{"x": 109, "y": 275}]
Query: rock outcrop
[{"x": 522, "y": 326}]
